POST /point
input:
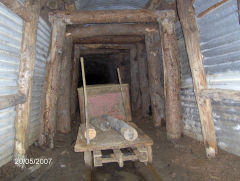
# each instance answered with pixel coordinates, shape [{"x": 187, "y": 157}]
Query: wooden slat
[
  {"x": 187, "y": 18},
  {"x": 220, "y": 94},
  {"x": 119, "y": 156},
  {"x": 20, "y": 10},
  {"x": 12, "y": 100}
]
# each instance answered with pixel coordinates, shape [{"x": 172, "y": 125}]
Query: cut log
[
  {"x": 11, "y": 100},
  {"x": 186, "y": 13},
  {"x": 50, "y": 97},
  {"x": 128, "y": 132},
  {"x": 25, "y": 81},
  {"x": 112, "y": 30},
  {"x": 153, "y": 47},
  {"x": 171, "y": 67},
  {"x": 101, "y": 124},
  {"x": 91, "y": 132}
]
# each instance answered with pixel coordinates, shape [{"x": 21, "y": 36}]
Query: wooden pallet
[{"x": 140, "y": 149}]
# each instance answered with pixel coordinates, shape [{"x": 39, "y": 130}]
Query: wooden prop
[{"x": 120, "y": 82}]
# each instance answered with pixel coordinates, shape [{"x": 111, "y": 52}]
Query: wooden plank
[
  {"x": 143, "y": 79},
  {"x": 187, "y": 18},
  {"x": 119, "y": 156},
  {"x": 220, "y": 94},
  {"x": 105, "y": 16},
  {"x": 112, "y": 30},
  {"x": 211, "y": 8},
  {"x": 12, "y": 100},
  {"x": 153, "y": 47},
  {"x": 25, "y": 80},
  {"x": 63, "y": 113},
  {"x": 171, "y": 67},
  {"x": 50, "y": 96},
  {"x": 97, "y": 158},
  {"x": 25, "y": 13}
]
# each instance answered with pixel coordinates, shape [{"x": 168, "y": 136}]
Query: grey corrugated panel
[
  {"x": 110, "y": 4},
  {"x": 21, "y": 1},
  {"x": 10, "y": 47},
  {"x": 42, "y": 45}
]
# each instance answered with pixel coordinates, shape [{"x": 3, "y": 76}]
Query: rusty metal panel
[
  {"x": 10, "y": 48},
  {"x": 43, "y": 39}
]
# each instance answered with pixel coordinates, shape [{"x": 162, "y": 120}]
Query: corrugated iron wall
[
  {"x": 10, "y": 47},
  {"x": 219, "y": 36},
  {"x": 43, "y": 39}
]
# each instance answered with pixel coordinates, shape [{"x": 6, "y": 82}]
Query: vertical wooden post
[
  {"x": 153, "y": 47},
  {"x": 75, "y": 76},
  {"x": 64, "y": 115},
  {"x": 171, "y": 67},
  {"x": 187, "y": 18},
  {"x": 50, "y": 96},
  {"x": 26, "y": 70},
  {"x": 143, "y": 79},
  {"x": 135, "y": 101}
]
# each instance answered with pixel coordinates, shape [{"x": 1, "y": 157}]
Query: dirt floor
[{"x": 182, "y": 160}]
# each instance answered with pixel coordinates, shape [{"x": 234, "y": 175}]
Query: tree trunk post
[
  {"x": 187, "y": 18},
  {"x": 50, "y": 96},
  {"x": 143, "y": 79},
  {"x": 26, "y": 70},
  {"x": 171, "y": 67},
  {"x": 153, "y": 47},
  {"x": 75, "y": 76},
  {"x": 64, "y": 115}
]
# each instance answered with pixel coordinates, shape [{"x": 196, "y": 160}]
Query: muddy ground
[{"x": 182, "y": 160}]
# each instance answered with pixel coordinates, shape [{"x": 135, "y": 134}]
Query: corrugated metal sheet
[
  {"x": 219, "y": 36},
  {"x": 43, "y": 38},
  {"x": 21, "y": 1},
  {"x": 10, "y": 47},
  {"x": 109, "y": 5}
]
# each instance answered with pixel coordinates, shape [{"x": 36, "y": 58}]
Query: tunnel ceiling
[{"x": 109, "y": 4}]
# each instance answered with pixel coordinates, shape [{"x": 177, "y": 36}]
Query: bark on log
[
  {"x": 75, "y": 76},
  {"x": 25, "y": 13},
  {"x": 25, "y": 80},
  {"x": 50, "y": 97},
  {"x": 187, "y": 18},
  {"x": 135, "y": 88},
  {"x": 143, "y": 79},
  {"x": 105, "y": 16},
  {"x": 153, "y": 47},
  {"x": 127, "y": 131},
  {"x": 12, "y": 100},
  {"x": 172, "y": 75},
  {"x": 112, "y": 30},
  {"x": 64, "y": 115},
  {"x": 110, "y": 39}
]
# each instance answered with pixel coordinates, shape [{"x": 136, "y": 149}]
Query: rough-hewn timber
[
  {"x": 12, "y": 100},
  {"x": 50, "y": 96},
  {"x": 171, "y": 67},
  {"x": 187, "y": 18}
]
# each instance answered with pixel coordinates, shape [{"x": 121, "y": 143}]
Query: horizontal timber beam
[
  {"x": 106, "y": 46},
  {"x": 84, "y": 51},
  {"x": 110, "y": 39},
  {"x": 112, "y": 29},
  {"x": 108, "y": 16},
  {"x": 12, "y": 100},
  {"x": 220, "y": 94},
  {"x": 18, "y": 8}
]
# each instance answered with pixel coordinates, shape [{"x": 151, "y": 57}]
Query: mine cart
[{"x": 113, "y": 136}]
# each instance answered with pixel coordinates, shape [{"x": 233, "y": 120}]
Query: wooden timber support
[
  {"x": 25, "y": 13},
  {"x": 49, "y": 105},
  {"x": 12, "y": 100},
  {"x": 135, "y": 85},
  {"x": 102, "y": 51},
  {"x": 74, "y": 82},
  {"x": 143, "y": 79},
  {"x": 112, "y": 30},
  {"x": 110, "y": 40},
  {"x": 153, "y": 47},
  {"x": 64, "y": 115},
  {"x": 25, "y": 80},
  {"x": 171, "y": 67},
  {"x": 105, "y": 16},
  {"x": 187, "y": 18}
]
